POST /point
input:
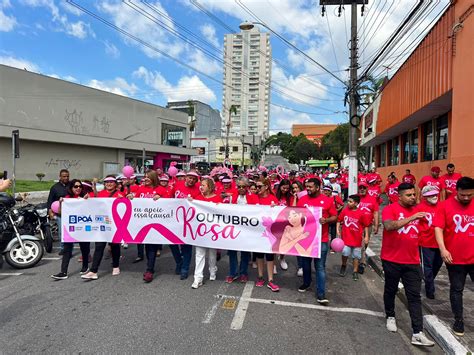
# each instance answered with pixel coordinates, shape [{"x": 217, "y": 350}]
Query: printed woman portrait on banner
[{"x": 295, "y": 232}]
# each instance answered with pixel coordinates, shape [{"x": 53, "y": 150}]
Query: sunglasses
[
  {"x": 259, "y": 186},
  {"x": 241, "y": 186},
  {"x": 77, "y": 186}
]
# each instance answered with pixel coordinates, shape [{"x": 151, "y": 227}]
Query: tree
[
  {"x": 335, "y": 144},
  {"x": 293, "y": 148},
  {"x": 370, "y": 89}
]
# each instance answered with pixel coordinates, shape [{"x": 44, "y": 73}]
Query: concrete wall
[
  {"x": 48, "y": 109},
  {"x": 48, "y": 158}
]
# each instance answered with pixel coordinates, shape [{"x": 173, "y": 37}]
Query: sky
[{"x": 168, "y": 50}]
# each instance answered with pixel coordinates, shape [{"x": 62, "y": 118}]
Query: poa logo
[{"x": 75, "y": 219}]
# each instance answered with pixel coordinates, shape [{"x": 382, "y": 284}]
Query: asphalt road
[{"x": 122, "y": 314}]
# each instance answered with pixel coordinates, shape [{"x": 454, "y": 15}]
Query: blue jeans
[
  {"x": 233, "y": 263},
  {"x": 320, "y": 266},
  {"x": 299, "y": 259},
  {"x": 432, "y": 262},
  {"x": 182, "y": 256},
  {"x": 150, "y": 256},
  {"x": 141, "y": 251}
]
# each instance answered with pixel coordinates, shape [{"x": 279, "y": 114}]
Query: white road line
[
  {"x": 52, "y": 258},
  {"x": 11, "y": 273},
  {"x": 314, "y": 306},
  {"x": 241, "y": 311},
  {"x": 211, "y": 312}
]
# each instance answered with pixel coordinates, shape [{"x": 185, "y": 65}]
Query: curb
[{"x": 435, "y": 327}]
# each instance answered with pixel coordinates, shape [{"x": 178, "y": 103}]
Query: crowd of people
[{"x": 424, "y": 225}]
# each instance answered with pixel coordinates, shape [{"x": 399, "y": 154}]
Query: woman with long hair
[
  {"x": 75, "y": 189},
  {"x": 208, "y": 194},
  {"x": 297, "y": 190},
  {"x": 266, "y": 197},
  {"x": 110, "y": 191}
]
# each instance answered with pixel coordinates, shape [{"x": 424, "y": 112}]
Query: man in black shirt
[{"x": 57, "y": 191}]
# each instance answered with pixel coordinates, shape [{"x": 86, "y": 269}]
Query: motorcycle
[
  {"x": 36, "y": 222},
  {"x": 21, "y": 251}
]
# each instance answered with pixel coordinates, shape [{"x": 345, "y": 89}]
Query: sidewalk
[{"x": 440, "y": 306}]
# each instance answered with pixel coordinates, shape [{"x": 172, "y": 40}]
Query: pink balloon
[
  {"x": 128, "y": 171},
  {"x": 172, "y": 171},
  {"x": 55, "y": 206},
  {"x": 337, "y": 245}
]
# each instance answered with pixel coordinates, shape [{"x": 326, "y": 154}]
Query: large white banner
[{"x": 264, "y": 229}]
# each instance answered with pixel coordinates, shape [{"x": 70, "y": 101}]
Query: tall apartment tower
[{"x": 247, "y": 76}]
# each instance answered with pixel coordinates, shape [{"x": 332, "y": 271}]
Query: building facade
[
  {"x": 88, "y": 131},
  {"x": 247, "y": 77},
  {"x": 314, "y": 132},
  {"x": 205, "y": 126},
  {"x": 424, "y": 115}
]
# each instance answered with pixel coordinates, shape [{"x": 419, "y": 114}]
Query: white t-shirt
[
  {"x": 336, "y": 189},
  {"x": 242, "y": 200}
]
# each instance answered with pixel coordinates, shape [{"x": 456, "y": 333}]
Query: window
[
  {"x": 414, "y": 146},
  {"x": 441, "y": 151},
  {"x": 406, "y": 148},
  {"x": 383, "y": 154},
  {"x": 235, "y": 149},
  {"x": 389, "y": 151},
  {"x": 428, "y": 141},
  {"x": 222, "y": 149},
  {"x": 173, "y": 135},
  {"x": 394, "y": 155}
]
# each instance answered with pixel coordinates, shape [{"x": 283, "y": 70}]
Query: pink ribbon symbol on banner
[
  {"x": 122, "y": 233},
  {"x": 457, "y": 219}
]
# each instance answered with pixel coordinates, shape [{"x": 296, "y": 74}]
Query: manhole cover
[{"x": 229, "y": 304}]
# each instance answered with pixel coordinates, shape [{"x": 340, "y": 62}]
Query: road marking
[
  {"x": 315, "y": 306},
  {"x": 211, "y": 312},
  {"x": 242, "y": 307},
  {"x": 52, "y": 258},
  {"x": 11, "y": 273}
]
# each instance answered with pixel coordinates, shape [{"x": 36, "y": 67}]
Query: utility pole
[
  {"x": 243, "y": 149},
  {"x": 354, "y": 118}
]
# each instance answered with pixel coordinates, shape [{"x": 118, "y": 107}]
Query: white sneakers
[
  {"x": 299, "y": 272},
  {"x": 115, "y": 271},
  {"x": 283, "y": 264},
  {"x": 391, "y": 324},
  {"x": 90, "y": 276},
  {"x": 196, "y": 284},
  {"x": 212, "y": 277},
  {"x": 420, "y": 339}
]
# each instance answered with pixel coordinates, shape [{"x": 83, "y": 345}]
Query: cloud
[
  {"x": 77, "y": 29},
  {"x": 200, "y": 61},
  {"x": 7, "y": 23},
  {"x": 19, "y": 63},
  {"x": 281, "y": 119},
  {"x": 297, "y": 88},
  {"x": 117, "y": 86},
  {"x": 187, "y": 88},
  {"x": 209, "y": 32},
  {"x": 126, "y": 18},
  {"x": 111, "y": 50},
  {"x": 67, "y": 77}
]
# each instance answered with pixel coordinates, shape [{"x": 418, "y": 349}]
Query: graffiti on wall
[
  {"x": 64, "y": 163},
  {"x": 79, "y": 124}
]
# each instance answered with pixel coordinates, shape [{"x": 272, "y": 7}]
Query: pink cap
[
  {"x": 192, "y": 173},
  {"x": 226, "y": 181},
  {"x": 429, "y": 191},
  {"x": 164, "y": 178},
  {"x": 86, "y": 184},
  {"x": 180, "y": 173},
  {"x": 110, "y": 178}
]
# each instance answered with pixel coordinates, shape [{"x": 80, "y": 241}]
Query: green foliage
[
  {"x": 293, "y": 148},
  {"x": 335, "y": 145},
  {"x": 30, "y": 185},
  {"x": 40, "y": 176}
]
